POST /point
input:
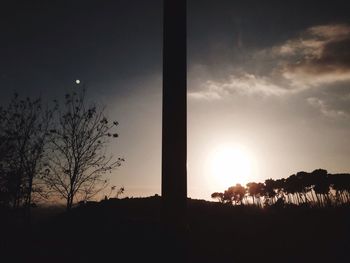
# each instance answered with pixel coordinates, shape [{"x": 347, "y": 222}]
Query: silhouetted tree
[
  {"x": 291, "y": 189},
  {"x": 6, "y": 175},
  {"x": 120, "y": 191},
  {"x": 255, "y": 190},
  {"x": 239, "y": 192},
  {"x": 218, "y": 196},
  {"x": 235, "y": 194},
  {"x": 252, "y": 190},
  {"x": 303, "y": 188},
  {"x": 303, "y": 185},
  {"x": 24, "y": 133},
  {"x": 78, "y": 163},
  {"x": 269, "y": 191},
  {"x": 260, "y": 193},
  {"x": 321, "y": 186},
  {"x": 341, "y": 185},
  {"x": 279, "y": 188}
]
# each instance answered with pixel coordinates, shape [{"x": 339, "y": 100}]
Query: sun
[{"x": 230, "y": 164}]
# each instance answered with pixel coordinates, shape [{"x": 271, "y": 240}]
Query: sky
[{"x": 267, "y": 80}]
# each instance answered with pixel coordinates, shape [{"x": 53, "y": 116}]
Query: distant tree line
[
  {"x": 54, "y": 152},
  {"x": 318, "y": 188}
]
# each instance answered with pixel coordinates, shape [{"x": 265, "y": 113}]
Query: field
[{"x": 129, "y": 230}]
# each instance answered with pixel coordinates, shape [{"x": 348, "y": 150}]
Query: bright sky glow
[
  {"x": 266, "y": 99},
  {"x": 230, "y": 164}
]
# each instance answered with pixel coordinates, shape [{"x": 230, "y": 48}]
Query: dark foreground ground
[{"x": 129, "y": 230}]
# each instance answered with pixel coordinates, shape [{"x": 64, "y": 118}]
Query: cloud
[
  {"x": 210, "y": 93},
  {"x": 317, "y": 57},
  {"x": 320, "y": 55},
  {"x": 242, "y": 84},
  {"x": 325, "y": 109}
]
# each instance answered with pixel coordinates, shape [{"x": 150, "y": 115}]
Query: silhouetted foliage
[
  {"x": 317, "y": 188},
  {"x": 113, "y": 188},
  {"x": 255, "y": 190},
  {"x": 235, "y": 194},
  {"x": 219, "y": 196}
]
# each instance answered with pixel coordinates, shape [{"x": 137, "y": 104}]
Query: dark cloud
[
  {"x": 319, "y": 51},
  {"x": 220, "y": 31},
  {"x": 317, "y": 56},
  {"x": 336, "y": 55}
]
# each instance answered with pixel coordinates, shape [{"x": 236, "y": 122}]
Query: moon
[{"x": 77, "y": 81}]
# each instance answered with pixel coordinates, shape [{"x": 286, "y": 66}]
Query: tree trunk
[
  {"x": 69, "y": 202},
  {"x": 29, "y": 194}
]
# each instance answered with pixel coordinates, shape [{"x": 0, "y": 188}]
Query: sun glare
[{"x": 230, "y": 165}]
